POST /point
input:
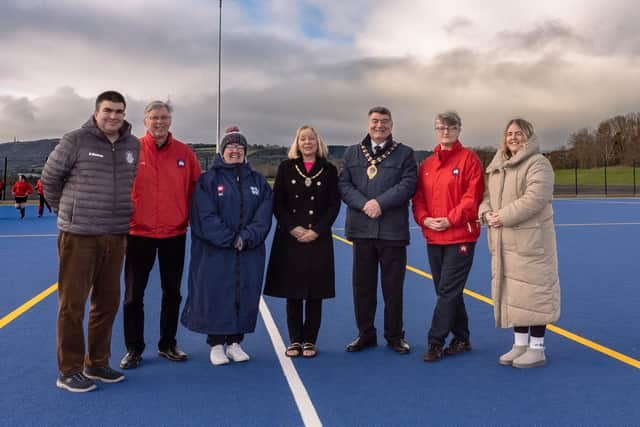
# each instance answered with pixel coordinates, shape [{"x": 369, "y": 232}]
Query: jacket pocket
[{"x": 529, "y": 241}]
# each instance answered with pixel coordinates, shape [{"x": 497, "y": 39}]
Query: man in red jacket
[
  {"x": 167, "y": 174},
  {"x": 445, "y": 206}
]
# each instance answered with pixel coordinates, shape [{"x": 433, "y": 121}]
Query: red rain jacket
[
  {"x": 162, "y": 188},
  {"x": 39, "y": 188},
  {"x": 450, "y": 184}
]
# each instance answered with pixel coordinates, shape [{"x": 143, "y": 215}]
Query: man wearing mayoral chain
[{"x": 377, "y": 181}]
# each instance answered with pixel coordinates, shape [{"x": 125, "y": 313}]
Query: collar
[{"x": 149, "y": 139}]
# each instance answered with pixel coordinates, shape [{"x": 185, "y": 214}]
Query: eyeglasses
[
  {"x": 159, "y": 118},
  {"x": 517, "y": 133},
  {"x": 443, "y": 129},
  {"x": 234, "y": 147}
]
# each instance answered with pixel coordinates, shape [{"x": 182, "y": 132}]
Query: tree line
[{"x": 614, "y": 142}]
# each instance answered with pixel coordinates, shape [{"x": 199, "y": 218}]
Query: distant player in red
[
  {"x": 21, "y": 190},
  {"x": 42, "y": 199}
]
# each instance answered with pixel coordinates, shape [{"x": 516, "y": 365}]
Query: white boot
[
  {"x": 532, "y": 358},
  {"x": 217, "y": 355},
  {"x": 236, "y": 353},
  {"x": 515, "y": 352}
]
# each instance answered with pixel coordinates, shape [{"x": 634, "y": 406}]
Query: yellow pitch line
[
  {"x": 27, "y": 305},
  {"x": 560, "y": 331}
]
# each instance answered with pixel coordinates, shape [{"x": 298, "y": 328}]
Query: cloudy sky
[{"x": 562, "y": 64}]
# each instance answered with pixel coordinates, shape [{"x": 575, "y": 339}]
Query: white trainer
[
  {"x": 217, "y": 355},
  {"x": 515, "y": 352},
  {"x": 236, "y": 353},
  {"x": 532, "y": 358}
]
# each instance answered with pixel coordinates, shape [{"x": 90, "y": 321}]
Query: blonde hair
[
  {"x": 294, "y": 150},
  {"x": 526, "y": 128}
]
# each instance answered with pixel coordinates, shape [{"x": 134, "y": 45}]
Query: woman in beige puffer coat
[{"x": 524, "y": 266}]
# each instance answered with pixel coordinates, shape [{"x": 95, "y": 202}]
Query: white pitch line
[
  {"x": 599, "y": 201},
  {"x": 6, "y": 236},
  {"x": 305, "y": 406},
  {"x": 597, "y": 224}
]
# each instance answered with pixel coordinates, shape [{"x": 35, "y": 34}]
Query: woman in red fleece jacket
[
  {"x": 21, "y": 190},
  {"x": 445, "y": 206}
]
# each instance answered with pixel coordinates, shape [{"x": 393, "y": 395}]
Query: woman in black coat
[{"x": 306, "y": 203}]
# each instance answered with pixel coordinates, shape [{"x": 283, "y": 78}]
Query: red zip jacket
[
  {"x": 450, "y": 184},
  {"x": 162, "y": 188},
  {"x": 39, "y": 188},
  {"x": 21, "y": 188}
]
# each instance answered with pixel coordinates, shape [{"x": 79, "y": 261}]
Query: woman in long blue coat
[{"x": 230, "y": 218}]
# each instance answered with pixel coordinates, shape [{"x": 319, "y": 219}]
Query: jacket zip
[{"x": 237, "y": 293}]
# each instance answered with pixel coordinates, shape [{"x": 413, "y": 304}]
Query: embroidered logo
[
  {"x": 92, "y": 154},
  {"x": 463, "y": 249},
  {"x": 456, "y": 171},
  {"x": 255, "y": 191},
  {"x": 180, "y": 163},
  {"x": 220, "y": 190},
  {"x": 129, "y": 157}
]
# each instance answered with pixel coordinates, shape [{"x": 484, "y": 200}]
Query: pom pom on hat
[{"x": 232, "y": 135}]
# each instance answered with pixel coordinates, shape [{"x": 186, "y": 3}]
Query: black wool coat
[{"x": 303, "y": 270}]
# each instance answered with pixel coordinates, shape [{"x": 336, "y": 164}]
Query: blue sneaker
[
  {"x": 104, "y": 374},
  {"x": 76, "y": 383}
]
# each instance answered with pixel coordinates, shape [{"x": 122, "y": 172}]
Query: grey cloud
[
  {"x": 153, "y": 38},
  {"x": 17, "y": 109},
  {"x": 335, "y": 99},
  {"x": 458, "y": 25},
  {"x": 554, "y": 34}
]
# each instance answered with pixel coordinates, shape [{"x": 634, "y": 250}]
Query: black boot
[{"x": 22, "y": 213}]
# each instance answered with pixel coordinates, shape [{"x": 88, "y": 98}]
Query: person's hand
[
  {"x": 238, "y": 244},
  {"x": 308, "y": 236},
  {"x": 372, "y": 209},
  {"x": 436, "y": 224},
  {"x": 297, "y": 232},
  {"x": 493, "y": 219}
]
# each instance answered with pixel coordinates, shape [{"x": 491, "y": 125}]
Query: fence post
[
  {"x": 605, "y": 178},
  {"x": 576, "y": 177},
  {"x": 4, "y": 181},
  {"x": 634, "y": 177}
]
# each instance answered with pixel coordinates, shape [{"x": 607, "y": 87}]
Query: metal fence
[{"x": 604, "y": 181}]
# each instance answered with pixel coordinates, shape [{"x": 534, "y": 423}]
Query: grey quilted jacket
[{"x": 87, "y": 180}]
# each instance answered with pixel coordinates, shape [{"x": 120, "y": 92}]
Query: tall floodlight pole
[{"x": 219, "y": 75}]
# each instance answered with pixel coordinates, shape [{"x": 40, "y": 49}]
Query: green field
[{"x": 616, "y": 175}]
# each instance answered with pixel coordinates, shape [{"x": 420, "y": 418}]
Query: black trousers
[
  {"x": 367, "y": 255},
  {"x": 43, "y": 202},
  {"x": 141, "y": 255},
  {"x": 450, "y": 266},
  {"x": 306, "y": 330},
  {"x": 224, "y": 339}
]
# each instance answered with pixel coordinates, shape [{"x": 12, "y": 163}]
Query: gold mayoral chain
[
  {"x": 308, "y": 180},
  {"x": 372, "y": 170}
]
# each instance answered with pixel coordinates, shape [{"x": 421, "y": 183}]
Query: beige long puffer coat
[{"x": 524, "y": 263}]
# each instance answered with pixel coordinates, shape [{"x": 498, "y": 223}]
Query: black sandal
[
  {"x": 310, "y": 348},
  {"x": 293, "y": 350}
]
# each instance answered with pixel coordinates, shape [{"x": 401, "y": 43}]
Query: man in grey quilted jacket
[{"x": 87, "y": 180}]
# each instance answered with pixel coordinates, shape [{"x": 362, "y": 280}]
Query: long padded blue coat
[{"x": 230, "y": 200}]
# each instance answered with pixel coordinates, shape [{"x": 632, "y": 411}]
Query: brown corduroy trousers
[{"x": 88, "y": 265}]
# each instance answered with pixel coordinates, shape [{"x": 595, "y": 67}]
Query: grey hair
[
  {"x": 155, "y": 105},
  {"x": 449, "y": 118},
  {"x": 380, "y": 110}
]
